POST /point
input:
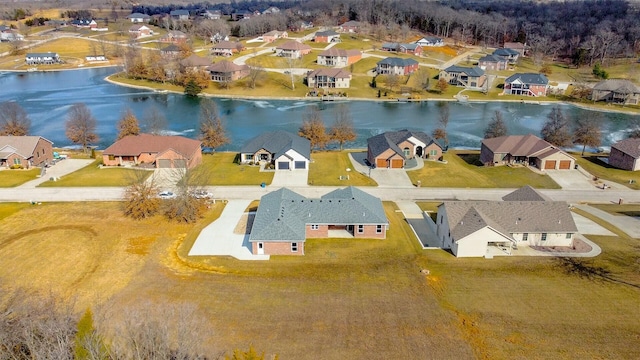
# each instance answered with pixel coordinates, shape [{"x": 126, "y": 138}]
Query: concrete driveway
[
  {"x": 397, "y": 178},
  {"x": 60, "y": 169},
  {"x": 218, "y": 238},
  {"x": 577, "y": 180},
  {"x": 290, "y": 178}
]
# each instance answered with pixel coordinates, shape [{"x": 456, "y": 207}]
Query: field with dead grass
[{"x": 349, "y": 299}]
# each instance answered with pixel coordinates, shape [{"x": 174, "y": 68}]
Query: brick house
[
  {"x": 274, "y": 35},
  {"x": 158, "y": 150},
  {"x": 527, "y": 150},
  {"x": 293, "y": 49},
  {"x": 350, "y": 27},
  {"x": 393, "y": 148},
  {"x": 286, "y": 151},
  {"x": 469, "y": 77},
  {"x": 175, "y": 37},
  {"x": 516, "y": 46},
  {"x": 285, "y": 220},
  {"x": 329, "y": 79},
  {"x": 398, "y": 66},
  {"x": 526, "y": 84},
  {"x": 339, "y": 57},
  {"x": 328, "y": 36},
  {"x": 226, "y": 48},
  {"x": 139, "y": 31},
  {"x": 625, "y": 154},
  {"x": 25, "y": 151},
  {"x": 413, "y": 49},
  {"x": 224, "y": 71},
  {"x": 492, "y": 63}
]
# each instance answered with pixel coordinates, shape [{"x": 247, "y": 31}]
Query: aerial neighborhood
[{"x": 198, "y": 180}]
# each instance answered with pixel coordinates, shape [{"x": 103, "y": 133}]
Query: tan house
[
  {"x": 619, "y": 91},
  {"x": 469, "y": 77},
  {"x": 158, "y": 151},
  {"x": 194, "y": 61},
  {"x": 350, "y": 26},
  {"x": 175, "y": 37},
  {"x": 625, "y": 154},
  {"x": 393, "y": 148},
  {"x": 293, "y": 49},
  {"x": 274, "y": 35},
  {"x": 492, "y": 63},
  {"x": 25, "y": 151},
  {"x": 329, "y": 79},
  {"x": 526, "y": 150},
  {"x": 225, "y": 71},
  {"x": 226, "y": 48},
  {"x": 516, "y": 46},
  {"x": 285, "y": 220},
  {"x": 139, "y": 31},
  {"x": 339, "y": 57}
]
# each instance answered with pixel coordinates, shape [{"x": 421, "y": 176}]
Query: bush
[
  {"x": 599, "y": 72},
  {"x": 16, "y": 167}
]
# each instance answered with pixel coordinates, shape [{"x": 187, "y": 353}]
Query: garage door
[
  {"x": 180, "y": 163},
  {"x": 300, "y": 165},
  {"x": 550, "y": 164},
  {"x": 396, "y": 163},
  {"x": 565, "y": 164},
  {"x": 164, "y": 163},
  {"x": 283, "y": 165},
  {"x": 381, "y": 163}
]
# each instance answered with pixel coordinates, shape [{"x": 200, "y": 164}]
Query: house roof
[
  {"x": 137, "y": 27},
  {"x": 351, "y": 23},
  {"x": 505, "y": 52},
  {"x": 390, "y": 140},
  {"x": 334, "y": 73},
  {"x": 492, "y": 58},
  {"x": 176, "y": 33},
  {"x": 293, "y": 45},
  {"x": 171, "y": 48},
  {"x": 398, "y": 62},
  {"x": 517, "y": 145},
  {"x": 278, "y": 142},
  {"x": 147, "y": 143},
  {"x": 471, "y": 71},
  {"x": 621, "y": 86},
  {"x": 226, "y": 66},
  {"x": 629, "y": 146},
  {"x": 284, "y": 214},
  {"x": 526, "y": 193},
  {"x": 507, "y": 217},
  {"x": 341, "y": 52},
  {"x": 227, "y": 45},
  {"x": 46, "y": 54},
  {"x": 179, "y": 12},
  {"x": 195, "y": 60},
  {"x": 514, "y": 45},
  {"x": 327, "y": 33},
  {"x": 528, "y": 78},
  {"x": 22, "y": 145},
  {"x": 138, "y": 16},
  {"x": 397, "y": 46},
  {"x": 430, "y": 40},
  {"x": 274, "y": 33}
]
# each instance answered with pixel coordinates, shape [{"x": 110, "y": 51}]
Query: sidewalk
[
  {"x": 628, "y": 224},
  {"x": 58, "y": 170}
]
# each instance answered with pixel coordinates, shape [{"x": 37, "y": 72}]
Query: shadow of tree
[
  {"x": 586, "y": 269},
  {"x": 471, "y": 159}
]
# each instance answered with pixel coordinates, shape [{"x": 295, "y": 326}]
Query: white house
[
  {"x": 139, "y": 18},
  {"x": 430, "y": 41},
  {"x": 284, "y": 150},
  {"x": 524, "y": 218}
]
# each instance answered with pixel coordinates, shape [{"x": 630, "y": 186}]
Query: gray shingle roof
[
  {"x": 327, "y": 33},
  {"x": 505, "y": 52},
  {"x": 528, "y": 78},
  {"x": 622, "y": 86},
  {"x": 278, "y": 142},
  {"x": 390, "y": 140},
  {"x": 283, "y": 214},
  {"x": 507, "y": 217},
  {"x": 629, "y": 146},
  {"x": 399, "y": 62},
  {"x": 526, "y": 193},
  {"x": 471, "y": 71},
  {"x": 491, "y": 58}
]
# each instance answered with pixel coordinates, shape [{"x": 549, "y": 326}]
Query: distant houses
[
  {"x": 139, "y": 18},
  {"x": 430, "y": 41},
  {"x": 350, "y": 27},
  {"x": 413, "y": 49},
  {"x": 48, "y": 58},
  {"x": 226, "y": 48},
  {"x": 274, "y": 35},
  {"x": 140, "y": 31},
  {"x": 327, "y": 36},
  {"x": 174, "y": 36}
]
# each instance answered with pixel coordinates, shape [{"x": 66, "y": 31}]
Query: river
[{"x": 46, "y": 97}]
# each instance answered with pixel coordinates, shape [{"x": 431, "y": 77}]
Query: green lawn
[
  {"x": 8, "y": 209},
  {"x": 466, "y": 173},
  {"x": 220, "y": 169},
  {"x": 327, "y": 167},
  {"x": 604, "y": 171},
  {"x": 93, "y": 175},
  {"x": 11, "y": 178}
]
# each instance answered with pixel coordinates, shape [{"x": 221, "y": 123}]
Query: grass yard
[
  {"x": 327, "y": 167},
  {"x": 11, "y": 178},
  {"x": 620, "y": 210},
  {"x": 463, "y": 171},
  {"x": 220, "y": 169},
  {"x": 598, "y": 168},
  {"x": 93, "y": 175}
]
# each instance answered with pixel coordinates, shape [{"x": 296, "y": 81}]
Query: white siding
[{"x": 292, "y": 157}]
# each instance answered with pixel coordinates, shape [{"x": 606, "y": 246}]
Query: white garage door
[{"x": 164, "y": 163}]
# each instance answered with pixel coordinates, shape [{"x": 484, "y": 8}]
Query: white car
[
  {"x": 166, "y": 195},
  {"x": 201, "y": 194}
]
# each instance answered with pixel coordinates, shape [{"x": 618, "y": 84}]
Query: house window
[
  {"x": 360, "y": 229},
  {"x": 525, "y": 236},
  {"x": 569, "y": 235},
  {"x": 433, "y": 152},
  {"x": 17, "y": 161},
  {"x": 544, "y": 236},
  {"x": 315, "y": 227},
  {"x": 294, "y": 247},
  {"x": 378, "y": 229},
  {"x": 112, "y": 157},
  {"x": 441, "y": 220},
  {"x": 407, "y": 151}
]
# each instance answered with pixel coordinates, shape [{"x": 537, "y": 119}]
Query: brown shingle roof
[
  {"x": 516, "y": 145},
  {"x": 23, "y": 145},
  {"x": 629, "y": 146},
  {"x": 134, "y": 145},
  {"x": 340, "y": 52},
  {"x": 336, "y": 73},
  {"x": 195, "y": 60},
  {"x": 294, "y": 45},
  {"x": 226, "y": 66}
]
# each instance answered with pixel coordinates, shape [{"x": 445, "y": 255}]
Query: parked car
[
  {"x": 201, "y": 194},
  {"x": 166, "y": 195}
]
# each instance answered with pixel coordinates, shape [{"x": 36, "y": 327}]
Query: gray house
[
  {"x": 285, "y": 220},
  {"x": 509, "y": 54},
  {"x": 281, "y": 148},
  {"x": 619, "y": 91},
  {"x": 469, "y": 77}
]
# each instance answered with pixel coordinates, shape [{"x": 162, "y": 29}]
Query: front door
[
  {"x": 260, "y": 248},
  {"x": 419, "y": 151}
]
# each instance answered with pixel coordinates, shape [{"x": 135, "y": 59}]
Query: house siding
[
  {"x": 427, "y": 151},
  {"x": 623, "y": 161},
  {"x": 322, "y": 232},
  {"x": 278, "y": 248},
  {"x": 369, "y": 232}
]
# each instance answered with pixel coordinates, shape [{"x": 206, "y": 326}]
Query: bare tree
[
  {"x": 14, "y": 120},
  {"x": 442, "y": 85},
  {"x": 141, "y": 197},
  {"x": 496, "y": 127},
  {"x": 443, "y": 119},
  {"x": 154, "y": 121},
  {"x": 588, "y": 131},
  {"x": 392, "y": 80},
  {"x": 342, "y": 128},
  {"x": 556, "y": 129},
  {"x": 313, "y": 128},
  {"x": 422, "y": 78},
  {"x": 292, "y": 63},
  {"x": 255, "y": 74},
  {"x": 128, "y": 125},
  {"x": 81, "y": 125},
  {"x": 212, "y": 132}
]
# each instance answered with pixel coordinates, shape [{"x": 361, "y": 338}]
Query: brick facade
[
  {"x": 624, "y": 161},
  {"x": 277, "y": 248}
]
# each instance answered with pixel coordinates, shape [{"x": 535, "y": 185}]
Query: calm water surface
[{"x": 47, "y": 96}]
